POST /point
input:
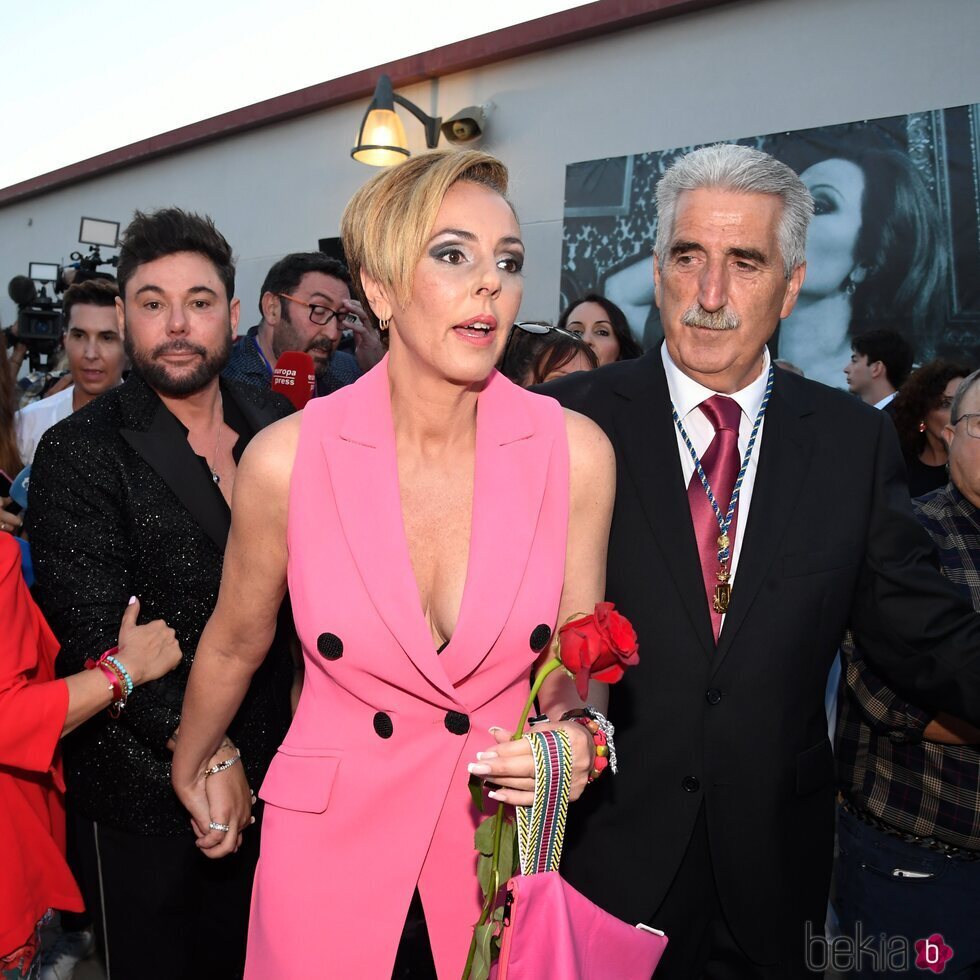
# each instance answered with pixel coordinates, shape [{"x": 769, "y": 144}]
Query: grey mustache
[{"x": 698, "y": 316}]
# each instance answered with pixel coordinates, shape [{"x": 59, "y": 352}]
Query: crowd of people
[{"x": 263, "y": 650}]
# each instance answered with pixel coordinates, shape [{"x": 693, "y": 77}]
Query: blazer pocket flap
[
  {"x": 811, "y": 562},
  {"x": 814, "y": 768},
  {"x": 300, "y": 782}
]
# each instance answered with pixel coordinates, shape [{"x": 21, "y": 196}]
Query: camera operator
[
  {"x": 36, "y": 335},
  {"x": 94, "y": 348}
]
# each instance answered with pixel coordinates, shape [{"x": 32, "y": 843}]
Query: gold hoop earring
[
  {"x": 383, "y": 323},
  {"x": 922, "y": 427}
]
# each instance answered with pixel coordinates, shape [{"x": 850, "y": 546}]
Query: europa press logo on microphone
[{"x": 875, "y": 953}]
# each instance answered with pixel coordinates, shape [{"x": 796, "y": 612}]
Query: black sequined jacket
[{"x": 121, "y": 505}]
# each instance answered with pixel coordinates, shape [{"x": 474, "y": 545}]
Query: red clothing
[{"x": 33, "y": 707}]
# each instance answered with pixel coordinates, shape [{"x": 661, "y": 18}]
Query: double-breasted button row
[{"x": 455, "y": 721}]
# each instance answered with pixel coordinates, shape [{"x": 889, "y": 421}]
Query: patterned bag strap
[{"x": 541, "y": 826}]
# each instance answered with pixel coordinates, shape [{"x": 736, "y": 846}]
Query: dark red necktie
[{"x": 721, "y": 464}]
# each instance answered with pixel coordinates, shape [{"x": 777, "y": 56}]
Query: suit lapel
[
  {"x": 508, "y": 490},
  {"x": 162, "y": 442},
  {"x": 364, "y": 473},
  {"x": 785, "y": 458},
  {"x": 646, "y": 437}
]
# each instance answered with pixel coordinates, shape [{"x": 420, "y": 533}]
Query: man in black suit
[
  {"x": 719, "y": 827},
  {"x": 130, "y": 496},
  {"x": 881, "y": 360}
]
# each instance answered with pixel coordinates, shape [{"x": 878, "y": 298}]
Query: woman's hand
[
  {"x": 8, "y": 521},
  {"x": 223, "y": 798},
  {"x": 149, "y": 651},
  {"x": 510, "y": 764}
]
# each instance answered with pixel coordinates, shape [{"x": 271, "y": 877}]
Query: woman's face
[
  {"x": 592, "y": 323},
  {"x": 938, "y": 418},
  {"x": 467, "y": 288},
  {"x": 837, "y": 187}
]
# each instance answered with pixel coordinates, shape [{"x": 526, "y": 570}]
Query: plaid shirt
[
  {"x": 884, "y": 767},
  {"x": 248, "y": 365}
]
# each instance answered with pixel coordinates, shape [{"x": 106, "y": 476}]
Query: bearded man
[{"x": 130, "y": 496}]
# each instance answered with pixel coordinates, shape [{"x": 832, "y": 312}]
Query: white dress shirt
[
  {"x": 32, "y": 421},
  {"x": 886, "y": 400},
  {"x": 687, "y": 395}
]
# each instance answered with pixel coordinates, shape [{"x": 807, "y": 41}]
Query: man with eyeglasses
[
  {"x": 306, "y": 305},
  {"x": 909, "y": 828}
]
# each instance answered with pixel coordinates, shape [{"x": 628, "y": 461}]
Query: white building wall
[{"x": 752, "y": 67}]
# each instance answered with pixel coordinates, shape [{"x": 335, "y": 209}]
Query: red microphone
[{"x": 293, "y": 377}]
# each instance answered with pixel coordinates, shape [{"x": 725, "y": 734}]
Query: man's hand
[{"x": 367, "y": 344}]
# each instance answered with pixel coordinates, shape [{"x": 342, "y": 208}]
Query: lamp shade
[{"x": 381, "y": 141}]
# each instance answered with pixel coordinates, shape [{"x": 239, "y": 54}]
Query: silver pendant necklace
[{"x": 217, "y": 442}]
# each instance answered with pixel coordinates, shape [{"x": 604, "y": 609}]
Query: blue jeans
[{"x": 886, "y": 887}]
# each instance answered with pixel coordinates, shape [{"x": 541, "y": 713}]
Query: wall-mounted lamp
[{"x": 381, "y": 139}]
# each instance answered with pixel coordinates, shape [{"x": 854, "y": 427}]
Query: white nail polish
[{"x": 132, "y": 599}]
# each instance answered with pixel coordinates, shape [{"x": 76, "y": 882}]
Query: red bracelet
[
  {"x": 115, "y": 680},
  {"x": 601, "y": 748}
]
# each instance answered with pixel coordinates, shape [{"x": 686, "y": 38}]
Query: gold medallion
[
  {"x": 723, "y": 595},
  {"x": 723, "y": 541}
]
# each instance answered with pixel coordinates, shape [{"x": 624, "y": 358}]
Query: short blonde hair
[{"x": 388, "y": 221}]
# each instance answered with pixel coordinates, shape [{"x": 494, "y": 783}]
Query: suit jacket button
[
  {"x": 457, "y": 722},
  {"x": 330, "y": 645},
  {"x": 540, "y": 637},
  {"x": 713, "y": 695},
  {"x": 383, "y": 725},
  {"x": 691, "y": 784}
]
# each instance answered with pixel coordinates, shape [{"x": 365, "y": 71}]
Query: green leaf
[
  {"x": 484, "y": 835},
  {"x": 483, "y": 959},
  {"x": 476, "y": 792},
  {"x": 483, "y": 864},
  {"x": 508, "y": 850}
]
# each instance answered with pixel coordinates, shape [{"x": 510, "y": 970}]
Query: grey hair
[
  {"x": 966, "y": 384},
  {"x": 730, "y": 166}
]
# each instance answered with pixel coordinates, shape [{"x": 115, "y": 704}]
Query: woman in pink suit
[{"x": 434, "y": 523}]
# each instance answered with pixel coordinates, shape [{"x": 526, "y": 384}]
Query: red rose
[{"x": 599, "y": 646}]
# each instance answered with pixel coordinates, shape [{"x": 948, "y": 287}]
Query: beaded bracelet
[
  {"x": 222, "y": 766},
  {"x": 116, "y": 675},
  {"x": 108, "y": 658},
  {"x": 602, "y": 731}
]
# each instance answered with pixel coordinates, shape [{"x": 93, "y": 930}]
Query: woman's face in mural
[{"x": 837, "y": 187}]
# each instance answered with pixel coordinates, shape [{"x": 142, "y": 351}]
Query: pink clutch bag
[{"x": 550, "y": 929}]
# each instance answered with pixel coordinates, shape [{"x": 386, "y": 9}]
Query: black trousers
[
  {"x": 701, "y": 945},
  {"x": 161, "y": 909}
]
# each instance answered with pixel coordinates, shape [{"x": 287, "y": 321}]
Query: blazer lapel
[
  {"x": 364, "y": 473},
  {"x": 508, "y": 491},
  {"x": 785, "y": 459},
  {"x": 162, "y": 441},
  {"x": 648, "y": 445}
]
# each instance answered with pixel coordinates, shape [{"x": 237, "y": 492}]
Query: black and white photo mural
[{"x": 894, "y": 242}]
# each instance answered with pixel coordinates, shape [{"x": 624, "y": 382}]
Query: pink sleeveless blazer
[{"x": 367, "y": 797}]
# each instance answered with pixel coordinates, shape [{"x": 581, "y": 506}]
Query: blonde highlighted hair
[{"x": 387, "y": 223}]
